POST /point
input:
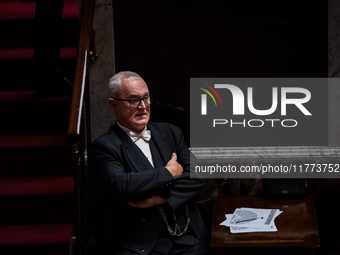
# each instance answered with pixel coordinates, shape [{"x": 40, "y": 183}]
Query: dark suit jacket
[{"x": 125, "y": 175}]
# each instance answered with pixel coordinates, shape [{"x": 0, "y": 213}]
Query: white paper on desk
[
  {"x": 226, "y": 222},
  {"x": 236, "y": 229},
  {"x": 270, "y": 225},
  {"x": 262, "y": 225},
  {"x": 250, "y": 230},
  {"x": 263, "y": 218},
  {"x": 247, "y": 217}
]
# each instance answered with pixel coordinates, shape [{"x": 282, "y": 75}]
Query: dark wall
[{"x": 167, "y": 42}]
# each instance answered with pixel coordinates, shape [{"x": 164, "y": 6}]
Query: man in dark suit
[{"x": 143, "y": 175}]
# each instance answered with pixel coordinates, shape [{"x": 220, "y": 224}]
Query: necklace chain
[{"x": 177, "y": 231}]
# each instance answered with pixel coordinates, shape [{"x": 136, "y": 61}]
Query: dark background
[{"x": 167, "y": 42}]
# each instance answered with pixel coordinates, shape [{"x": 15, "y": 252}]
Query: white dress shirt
[{"x": 143, "y": 145}]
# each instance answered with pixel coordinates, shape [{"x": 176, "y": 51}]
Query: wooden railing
[
  {"x": 80, "y": 77},
  {"x": 79, "y": 131}
]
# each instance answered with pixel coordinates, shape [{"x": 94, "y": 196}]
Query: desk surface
[{"x": 297, "y": 224}]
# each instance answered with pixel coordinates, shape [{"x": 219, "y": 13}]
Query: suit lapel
[
  {"x": 134, "y": 154},
  {"x": 162, "y": 142},
  {"x": 156, "y": 156}
]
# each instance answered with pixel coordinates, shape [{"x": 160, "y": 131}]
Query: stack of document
[{"x": 245, "y": 220}]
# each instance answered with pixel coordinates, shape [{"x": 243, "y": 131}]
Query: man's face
[{"x": 134, "y": 118}]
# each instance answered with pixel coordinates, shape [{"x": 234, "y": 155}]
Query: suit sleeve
[
  {"x": 123, "y": 185},
  {"x": 184, "y": 188}
]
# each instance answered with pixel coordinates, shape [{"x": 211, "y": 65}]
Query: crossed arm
[
  {"x": 176, "y": 170},
  {"x": 144, "y": 189}
]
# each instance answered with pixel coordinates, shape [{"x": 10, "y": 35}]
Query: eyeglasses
[{"x": 135, "y": 102}]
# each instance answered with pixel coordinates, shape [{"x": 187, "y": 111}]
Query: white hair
[{"x": 116, "y": 81}]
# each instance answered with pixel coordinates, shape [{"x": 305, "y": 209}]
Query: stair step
[
  {"x": 16, "y": 46},
  {"x": 36, "y": 113},
  {"x": 35, "y": 154},
  {"x": 68, "y": 37},
  {"x": 28, "y": 96},
  {"x": 36, "y": 239},
  {"x": 36, "y": 200},
  {"x": 12, "y": 186},
  {"x": 32, "y": 141},
  {"x": 18, "y": 16},
  {"x": 21, "y": 74},
  {"x": 15, "y": 9},
  {"x": 37, "y": 209},
  {"x": 35, "y": 234},
  {"x": 27, "y": 53}
]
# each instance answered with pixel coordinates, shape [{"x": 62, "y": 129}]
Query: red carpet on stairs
[
  {"x": 36, "y": 178},
  {"x": 28, "y": 53},
  {"x": 15, "y": 9},
  {"x": 17, "y": 41},
  {"x": 43, "y": 233},
  {"x": 28, "y": 186}
]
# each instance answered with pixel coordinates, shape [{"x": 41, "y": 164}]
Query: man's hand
[
  {"x": 155, "y": 200},
  {"x": 174, "y": 167}
]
